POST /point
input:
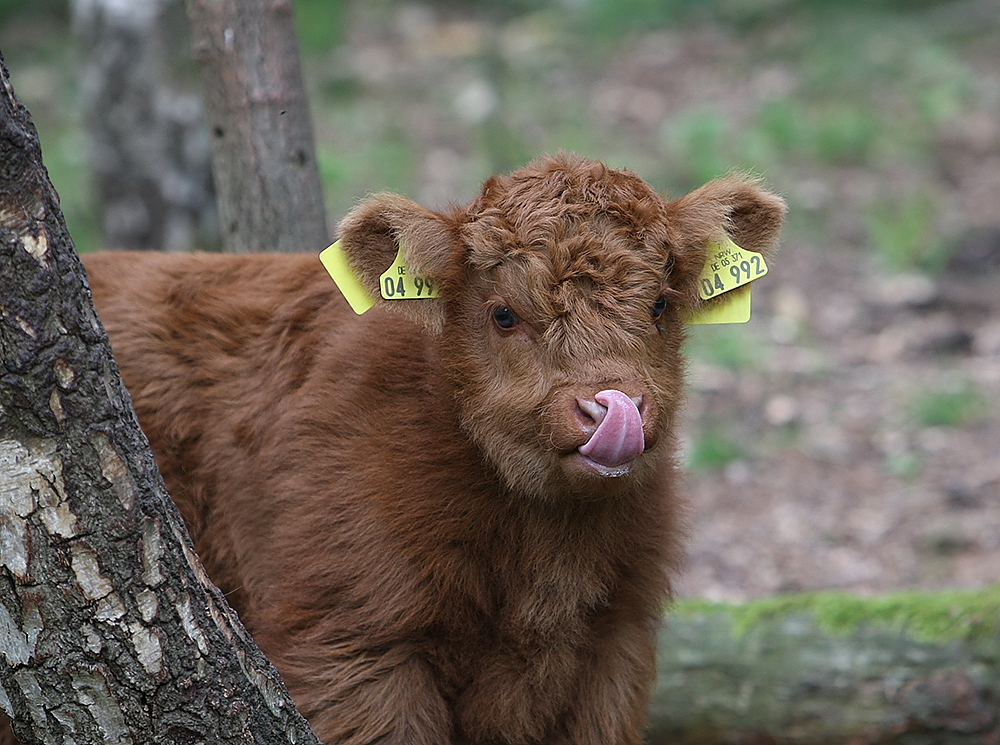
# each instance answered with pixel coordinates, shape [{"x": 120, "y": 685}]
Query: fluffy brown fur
[{"x": 394, "y": 502}]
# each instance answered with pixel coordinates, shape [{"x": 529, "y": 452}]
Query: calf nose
[
  {"x": 618, "y": 437},
  {"x": 592, "y": 411}
]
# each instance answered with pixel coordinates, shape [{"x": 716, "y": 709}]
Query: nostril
[{"x": 590, "y": 412}]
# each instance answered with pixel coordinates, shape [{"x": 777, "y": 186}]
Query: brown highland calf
[{"x": 447, "y": 520}]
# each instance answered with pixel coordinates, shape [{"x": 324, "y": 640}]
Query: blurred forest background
[{"x": 847, "y": 436}]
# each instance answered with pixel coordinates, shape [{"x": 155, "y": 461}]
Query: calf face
[{"x": 560, "y": 318}]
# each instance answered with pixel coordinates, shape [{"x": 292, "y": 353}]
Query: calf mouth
[
  {"x": 613, "y": 446},
  {"x": 600, "y": 432},
  {"x": 612, "y": 472}
]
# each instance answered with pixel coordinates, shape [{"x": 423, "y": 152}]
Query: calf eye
[
  {"x": 505, "y": 318},
  {"x": 659, "y": 306}
]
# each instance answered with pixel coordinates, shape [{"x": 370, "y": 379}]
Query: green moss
[{"x": 950, "y": 615}]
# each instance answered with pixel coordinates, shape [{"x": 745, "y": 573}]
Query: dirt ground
[
  {"x": 847, "y": 488},
  {"x": 852, "y": 481}
]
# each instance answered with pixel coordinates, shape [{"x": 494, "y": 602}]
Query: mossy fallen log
[{"x": 817, "y": 669}]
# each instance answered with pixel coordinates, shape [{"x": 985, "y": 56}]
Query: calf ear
[
  {"x": 737, "y": 207},
  {"x": 371, "y": 235}
]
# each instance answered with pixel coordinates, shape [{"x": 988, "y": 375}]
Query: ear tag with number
[
  {"x": 335, "y": 261},
  {"x": 728, "y": 268},
  {"x": 399, "y": 283},
  {"x": 396, "y": 283},
  {"x": 735, "y": 309}
]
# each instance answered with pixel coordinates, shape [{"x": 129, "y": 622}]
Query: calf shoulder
[{"x": 260, "y": 392}]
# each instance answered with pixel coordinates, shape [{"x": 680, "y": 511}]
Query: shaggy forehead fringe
[
  {"x": 569, "y": 221},
  {"x": 569, "y": 187}
]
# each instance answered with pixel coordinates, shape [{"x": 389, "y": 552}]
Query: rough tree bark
[
  {"x": 110, "y": 630},
  {"x": 149, "y": 145},
  {"x": 264, "y": 159}
]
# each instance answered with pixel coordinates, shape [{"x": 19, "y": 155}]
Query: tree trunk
[
  {"x": 910, "y": 668},
  {"x": 150, "y": 151},
  {"x": 110, "y": 630},
  {"x": 270, "y": 196}
]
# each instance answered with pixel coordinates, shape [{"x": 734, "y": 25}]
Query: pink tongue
[{"x": 618, "y": 439}]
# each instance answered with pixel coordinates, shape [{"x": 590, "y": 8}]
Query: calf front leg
[
  {"x": 613, "y": 692},
  {"x": 358, "y": 697}
]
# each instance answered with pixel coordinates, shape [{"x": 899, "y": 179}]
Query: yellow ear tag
[
  {"x": 728, "y": 267},
  {"x": 335, "y": 261},
  {"x": 735, "y": 309},
  {"x": 399, "y": 283}
]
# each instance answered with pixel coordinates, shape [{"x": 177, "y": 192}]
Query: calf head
[{"x": 559, "y": 320}]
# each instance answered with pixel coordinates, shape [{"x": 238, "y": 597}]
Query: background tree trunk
[
  {"x": 110, "y": 631},
  {"x": 270, "y": 196},
  {"x": 150, "y": 151}
]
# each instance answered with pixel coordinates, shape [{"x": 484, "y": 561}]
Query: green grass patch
[
  {"x": 699, "y": 142},
  {"x": 615, "y": 18},
  {"x": 949, "y": 407},
  {"x": 713, "y": 449},
  {"x": 906, "y": 465},
  {"x": 320, "y": 24},
  {"x": 845, "y": 135},
  {"x": 903, "y": 234},
  {"x": 733, "y": 347}
]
